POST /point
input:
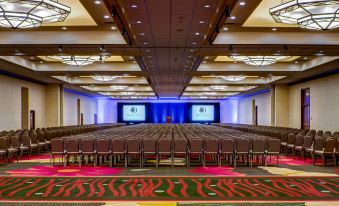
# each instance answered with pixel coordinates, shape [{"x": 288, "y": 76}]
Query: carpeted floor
[
  {"x": 169, "y": 188},
  {"x": 294, "y": 182}
]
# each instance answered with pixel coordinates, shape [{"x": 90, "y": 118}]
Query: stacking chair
[
  {"x": 325, "y": 152},
  {"x": 211, "y": 148},
  {"x": 318, "y": 145},
  {"x": 241, "y": 150},
  {"x": 25, "y": 145},
  {"x": 196, "y": 148},
  {"x": 258, "y": 149},
  {"x": 87, "y": 149},
  {"x": 149, "y": 147},
  {"x": 103, "y": 150},
  {"x": 298, "y": 146},
  {"x": 273, "y": 148},
  {"x": 165, "y": 148},
  {"x": 118, "y": 150},
  {"x": 180, "y": 148},
  {"x": 283, "y": 139},
  {"x": 133, "y": 149},
  {"x": 13, "y": 147},
  {"x": 3, "y": 149},
  {"x": 72, "y": 150},
  {"x": 336, "y": 153},
  {"x": 290, "y": 143},
  {"x": 35, "y": 141},
  {"x": 227, "y": 150},
  {"x": 57, "y": 148}
]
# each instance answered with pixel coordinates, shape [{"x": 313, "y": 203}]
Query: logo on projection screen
[
  {"x": 203, "y": 113},
  {"x": 134, "y": 113}
]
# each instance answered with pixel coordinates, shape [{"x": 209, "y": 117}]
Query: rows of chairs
[
  {"x": 299, "y": 142},
  {"x": 17, "y": 143},
  {"x": 151, "y": 141}
]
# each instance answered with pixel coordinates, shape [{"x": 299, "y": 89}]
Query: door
[
  {"x": 305, "y": 108},
  {"x": 32, "y": 119},
  {"x": 256, "y": 115}
]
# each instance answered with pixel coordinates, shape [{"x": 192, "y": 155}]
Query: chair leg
[
  {"x": 157, "y": 157},
  {"x": 172, "y": 160},
  {"x": 80, "y": 160},
  {"x": 203, "y": 160},
  {"x": 110, "y": 160},
  {"x": 126, "y": 157}
]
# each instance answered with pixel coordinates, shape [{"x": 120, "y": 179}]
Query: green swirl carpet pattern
[{"x": 169, "y": 188}]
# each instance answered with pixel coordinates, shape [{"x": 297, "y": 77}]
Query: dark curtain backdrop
[{"x": 159, "y": 112}]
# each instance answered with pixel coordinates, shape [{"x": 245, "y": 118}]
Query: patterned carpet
[{"x": 168, "y": 188}]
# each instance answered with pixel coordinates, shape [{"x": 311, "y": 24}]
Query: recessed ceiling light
[
  {"x": 197, "y": 33},
  {"x": 233, "y": 17},
  {"x": 321, "y": 51},
  {"x": 225, "y": 29},
  {"x": 113, "y": 28},
  {"x": 201, "y": 22},
  {"x": 191, "y": 50},
  {"x": 64, "y": 28},
  {"x": 274, "y": 29},
  {"x": 194, "y": 43},
  {"x": 106, "y": 17},
  {"x": 142, "y": 34},
  {"x": 97, "y": 2},
  {"x": 242, "y": 3},
  {"x": 138, "y": 22},
  {"x": 131, "y": 57},
  {"x": 145, "y": 43},
  {"x": 296, "y": 62},
  {"x": 147, "y": 50},
  {"x": 41, "y": 62},
  {"x": 207, "y": 6},
  {"x": 305, "y": 58},
  {"x": 134, "y": 6}
]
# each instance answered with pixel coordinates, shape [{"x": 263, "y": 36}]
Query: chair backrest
[
  {"x": 72, "y": 145},
  {"x": 149, "y": 145},
  {"x": 87, "y": 145},
  {"x": 308, "y": 141},
  {"x": 242, "y": 145},
  {"x": 133, "y": 145},
  {"x": 299, "y": 140},
  {"x": 284, "y": 137},
  {"x": 327, "y": 134},
  {"x": 14, "y": 141},
  {"x": 3, "y": 144},
  {"x": 227, "y": 145},
  {"x": 320, "y": 133},
  {"x": 26, "y": 141},
  {"x": 180, "y": 145},
  {"x": 330, "y": 144},
  {"x": 103, "y": 146},
  {"x": 196, "y": 145},
  {"x": 33, "y": 136},
  {"x": 273, "y": 146},
  {"x": 57, "y": 145},
  {"x": 291, "y": 139},
  {"x": 258, "y": 145},
  {"x": 118, "y": 146},
  {"x": 165, "y": 145},
  {"x": 211, "y": 146},
  {"x": 319, "y": 143}
]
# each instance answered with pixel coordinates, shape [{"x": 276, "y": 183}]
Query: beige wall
[
  {"x": 10, "y": 102},
  {"x": 88, "y": 106},
  {"x": 324, "y": 103},
  {"x": 263, "y": 101}
]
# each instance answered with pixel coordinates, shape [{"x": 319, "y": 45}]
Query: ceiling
[{"x": 168, "y": 48}]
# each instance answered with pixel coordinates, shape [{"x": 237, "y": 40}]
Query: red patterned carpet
[{"x": 169, "y": 188}]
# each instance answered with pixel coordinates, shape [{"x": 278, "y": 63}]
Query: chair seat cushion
[
  {"x": 319, "y": 152},
  {"x": 298, "y": 147},
  {"x": 309, "y": 150},
  {"x": 33, "y": 145},
  {"x": 24, "y": 148},
  {"x": 2, "y": 152},
  {"x": 283, "y": 143},
  {"x": 11, "y": 150},
  {"x": 290, "y": 145}
]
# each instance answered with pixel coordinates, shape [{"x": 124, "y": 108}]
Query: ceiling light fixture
[
  {"x": 97, "y": 2},
  {"x": 134, "y": 6},
  {"x": 233, "y": 78},
  {"x": 207, "y": 6},
  {"x": 259, "y": 60},
  {"x": 242, "y": 3},
  {"x": 233, "y": 17},
  {"x": 29, "y": 14},
  {"x": 308, "y": 14},
  {"x": 106, "y": 17},
  {"x": 117, "y": 88},
  {"x": 104, "y": 78},
  {"x": 78, "y": 60},
  {"x": 127, "y": 93},
  {"x": 218, "y": 87}
]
